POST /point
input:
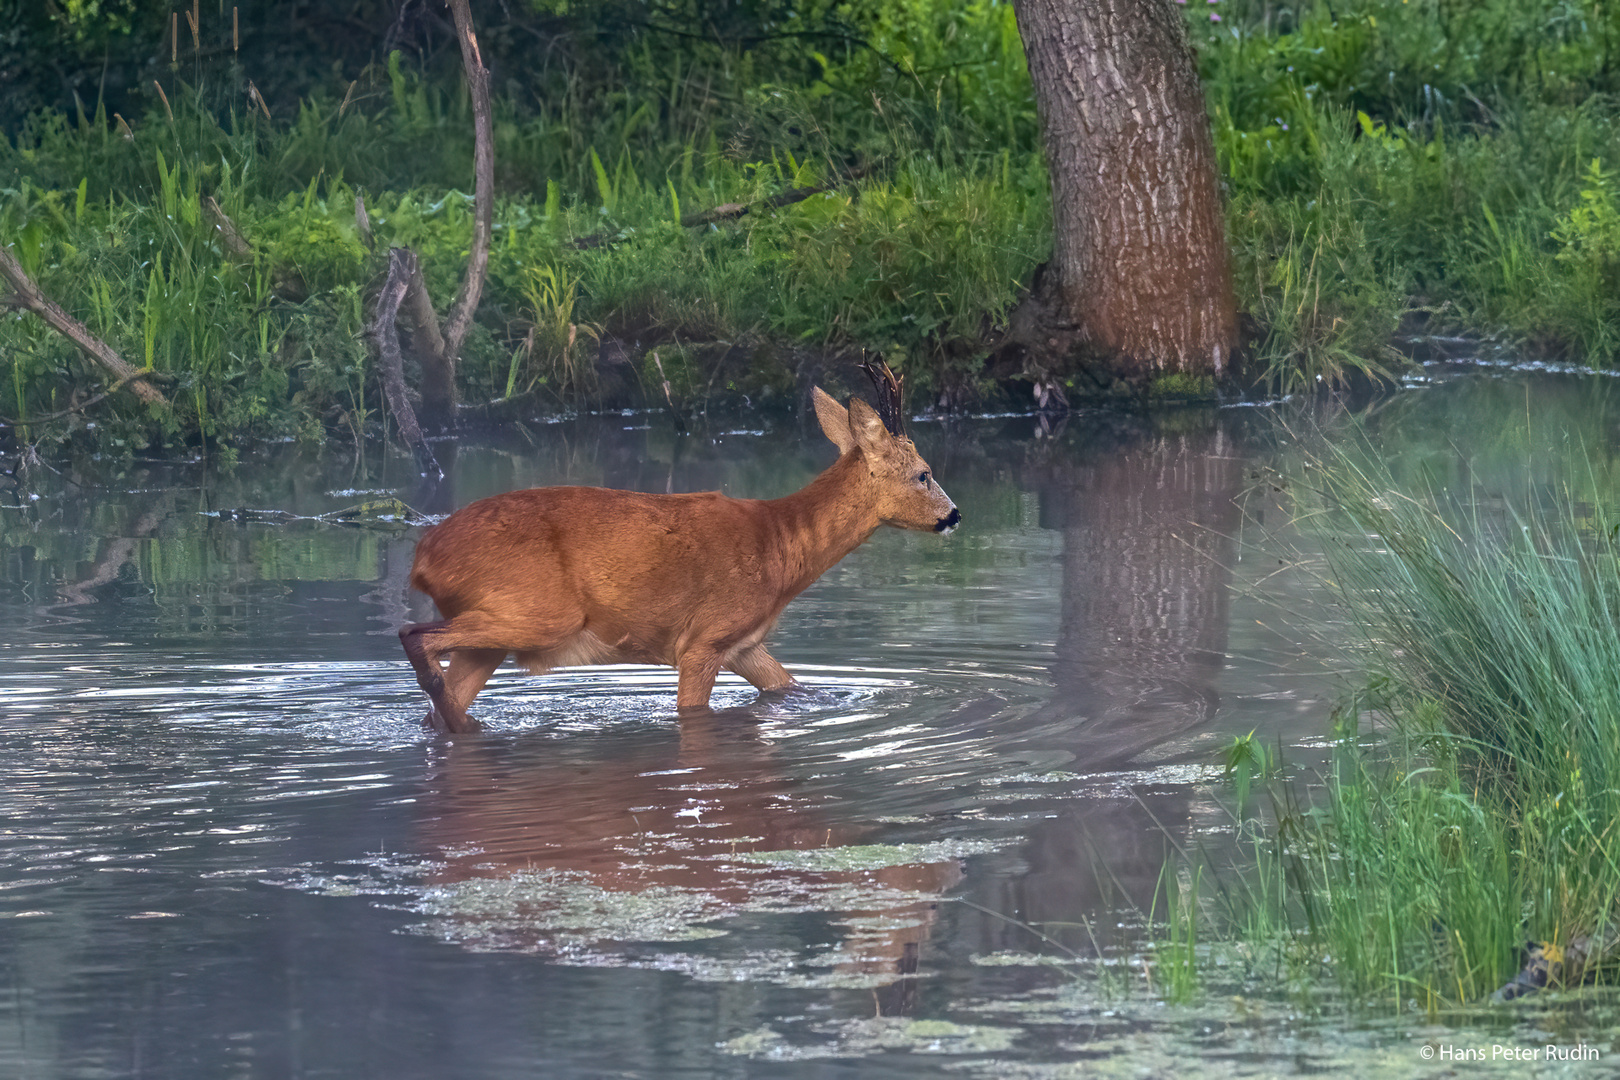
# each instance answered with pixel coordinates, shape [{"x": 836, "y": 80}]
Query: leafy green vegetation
[
  {"x": 1176, "y": 957},
  {"x": 1414, "y": 166},
  {"x": 1390, "y": 167},
  {"x": 916, "y": 259}
]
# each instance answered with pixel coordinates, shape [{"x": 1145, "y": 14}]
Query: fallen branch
[
  {"x": 230, "y": 237},
  {"x": 287, "y": 282},
  {"x": 89, "y": 401},
  {"x": 437, "y": 345},
  {"x": 728, "y": 211},
  {"x": 389, "y": 513},
  {"x": 362, "y": 220},
  {"x": 401, "y": 265},
  {"x": 732, "y": 211},
  {"x": 433, "y": 357},
  {"x": 26, "y": 294},
  {"x": 29, "y": 462},
  {"x": 427, "y": 342}
]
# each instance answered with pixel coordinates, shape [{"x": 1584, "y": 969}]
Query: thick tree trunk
[{"x": 1139, "y": 284}]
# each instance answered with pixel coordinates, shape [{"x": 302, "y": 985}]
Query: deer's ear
[
  {"x": 834, "y": 420},
  {"x": 866, "y": 426}
]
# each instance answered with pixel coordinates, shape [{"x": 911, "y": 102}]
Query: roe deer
[{"x": 573, "y": 575}]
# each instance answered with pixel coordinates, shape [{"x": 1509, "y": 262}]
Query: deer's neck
[{"x": 824, "y": 521}]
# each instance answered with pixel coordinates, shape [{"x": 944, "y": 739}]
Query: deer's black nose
[{"x": 948, "y": 522}]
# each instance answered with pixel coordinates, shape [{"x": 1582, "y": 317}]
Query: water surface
[{"x": 229, "y": 848}]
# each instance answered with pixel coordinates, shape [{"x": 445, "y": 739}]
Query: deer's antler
[{"x": 891, "y": 395}]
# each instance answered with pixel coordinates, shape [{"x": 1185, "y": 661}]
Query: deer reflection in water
[{"x": 666, "y": 811}]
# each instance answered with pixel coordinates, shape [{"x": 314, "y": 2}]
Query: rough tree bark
[{"x": 1139, "y": 283}]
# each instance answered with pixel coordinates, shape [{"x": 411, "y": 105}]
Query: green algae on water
[
  {"x": 860, "y": 1038},
  {"x": 860, "y": 857}
]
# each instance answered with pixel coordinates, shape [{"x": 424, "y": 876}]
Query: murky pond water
[{"x": 229, "y": 848}]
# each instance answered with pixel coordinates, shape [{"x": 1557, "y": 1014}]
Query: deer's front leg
[{"x": 698, "y": 669}]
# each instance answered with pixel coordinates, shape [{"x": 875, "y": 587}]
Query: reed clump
[{"x": 1472, "y": 805}]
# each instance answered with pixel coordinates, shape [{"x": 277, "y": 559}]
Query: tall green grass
[
  {"x": 1473, "y": 799},
  {"x": 1382, "y": 178},
  {"x": 915, "y": 260},
  {"x": 1402, "y": 166}
]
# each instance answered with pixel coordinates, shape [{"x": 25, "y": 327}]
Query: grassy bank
[
  {"x": 1468, "y": 821},
  {"x": 1387, "y": 165},
  {"x": 917, "y": 258}
]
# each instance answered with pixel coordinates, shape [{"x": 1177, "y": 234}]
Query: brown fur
[{"x": 571, "y": 575}]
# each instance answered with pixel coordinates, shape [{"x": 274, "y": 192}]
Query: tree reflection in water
[{"x": 1148, "y": 513}]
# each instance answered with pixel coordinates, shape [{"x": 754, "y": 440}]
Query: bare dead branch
[
  {"x": 460, "y": 316},
  {"x": 732, "y": 211},
  {"x": 401, "y": 265},
  {"x": 362, "y": 220},
  {"x": 428, "y": 343},
  {"x": 287, "y": 282},
  {"x": 94, "y": 399},
  {"x": 438, "y": 364},
  {"x": 28, "y": 294},
  {"x": 799, "y": 194},
  {"x": 723, "y": 212}
]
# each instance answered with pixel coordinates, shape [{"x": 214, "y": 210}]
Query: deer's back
[{"x": 599, "y": 546}]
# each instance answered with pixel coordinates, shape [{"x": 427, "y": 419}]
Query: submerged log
[{"x": 1547, "y": 964}]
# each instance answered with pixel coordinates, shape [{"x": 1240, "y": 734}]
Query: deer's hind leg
[
  {"x": 476, "y": 643},
  {"x": 469, "y": 670},
  {"x": 698, "y": 670},
  {"x": 761, "y": 669}
]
